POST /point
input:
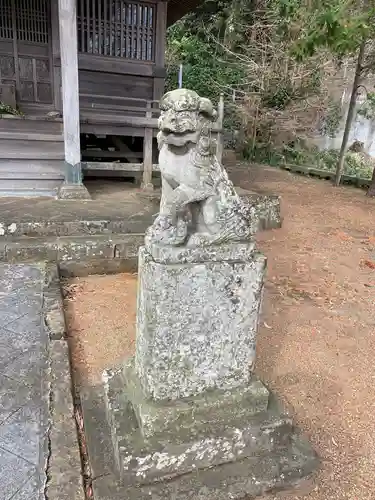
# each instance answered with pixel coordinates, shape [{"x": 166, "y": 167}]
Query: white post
[
  {"x": 220, "y": 135},
  {"x": 180, "y": 76},
  {"x": 72, "y": 187}
]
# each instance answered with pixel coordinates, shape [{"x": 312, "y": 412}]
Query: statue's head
[{"x": 183, "y": 116}]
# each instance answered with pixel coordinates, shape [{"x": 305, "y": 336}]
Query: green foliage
[
  {"x": 282, "y": 90},
  {"x": 275, "y": 52},
  {"x": 332, "y": 119},
  {"x": 206, "y": 69},
  {"x": 279, "y": 98},
  {"x": 263, "y": 153},
  {"x": 338, "y": 25},
  {"x": 367, "y": 110},
  {"x": 217, "y": 21},
  {"x": 5, "y": 109},
  {"x": 356, "y": 164}
]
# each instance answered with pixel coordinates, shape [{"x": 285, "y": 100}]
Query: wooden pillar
[
  {"x": 147, "y": 152},
  {"x": 72, "y": 187},
  {"x": 56, "y": 61},
  {"x": 220, "y": 135},
  {"x": 160, "y": 46}
]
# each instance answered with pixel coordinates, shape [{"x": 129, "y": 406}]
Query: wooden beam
[
  {"x": 124, "y": 148},
  {"x": 56, "y": 69},
  {"x": 99, "y": 117},
  {"x": 116, "y": 167},
  {"x": 73, "y": 186},
  {"x": 102, "y": 64},
  {"x": 112, "y": 129},
  {"x": 161, "y": 33},
  {"x": 95, "y": 153},
  {"x": 158, "y": 89}
]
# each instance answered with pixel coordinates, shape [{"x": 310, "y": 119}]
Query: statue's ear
[
  {"x": 165, "y": 103},
  {"x": 206, "y": 108}
]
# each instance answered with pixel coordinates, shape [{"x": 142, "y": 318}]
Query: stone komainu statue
[{"x": 199, "y": 205}]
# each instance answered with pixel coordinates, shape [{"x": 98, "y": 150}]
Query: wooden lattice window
[
  {"x": 6, "y": 25},
  {"x": 32, "y": 20},
  {"x": 25, "y": 20},
  {"x": 117, "y": 28},
  {"x": 24, "y": 59}
]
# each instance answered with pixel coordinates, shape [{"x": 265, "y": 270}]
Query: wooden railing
[
  {"x": 142, "y": 108},
  {"x": 145, "y": 115}
]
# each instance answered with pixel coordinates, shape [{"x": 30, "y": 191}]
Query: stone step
[
  {"x": 31, "y": 136},
  {"x": 31, "y": 178},
  {"x": 106, "y": 227},
  {"x": 99, "y": 244},
  {"x": 31, "y": 166},
  {"x": 79, "y": 255},
  {"x": 31, "y": 125},
  {"x": 29, "y": 187},
  {"x": 20, "y": 149},
  {"x": 265, "y": 212}
]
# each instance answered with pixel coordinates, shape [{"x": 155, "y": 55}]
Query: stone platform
[
  {"x": 98, "y": 236},
  {"x": 275, "y": 456},
  {"x": 186, "y": 418}
]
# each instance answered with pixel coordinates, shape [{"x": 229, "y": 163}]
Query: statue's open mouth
[{"x": 179, "y": 138}]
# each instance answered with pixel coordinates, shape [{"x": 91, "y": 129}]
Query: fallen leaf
[
  {"x": 369, "y": 263},
  {"x": 343, "y": 236},
  {"x": 267, "y": 326}
]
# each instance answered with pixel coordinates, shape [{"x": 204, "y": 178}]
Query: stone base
[
  {"x": 183, "y": 418},
  {"x": 254, "y": 455},
  {"x": 147, "y": 187},
  {"x": 155, "y": 441},
  {"x": 73, "y": 192}
]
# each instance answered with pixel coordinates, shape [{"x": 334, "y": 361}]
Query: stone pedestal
[
  {"x": 197, "y": 318},
  {"x": 187, "y": 418}
]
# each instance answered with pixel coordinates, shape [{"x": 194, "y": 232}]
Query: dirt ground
[{"x": 316, "y": 342}]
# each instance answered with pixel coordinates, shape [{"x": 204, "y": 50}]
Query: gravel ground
[
  {"x": 316, "y": 339},
  {"x": 100, "y": 314}
]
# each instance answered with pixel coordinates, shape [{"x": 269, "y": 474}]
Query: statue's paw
[
  {"x": 162, "y": 223},
  {"x": 164, "y": 232},
  {"x": 201, "y": 240}
]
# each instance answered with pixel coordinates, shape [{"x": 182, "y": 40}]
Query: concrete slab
[
  {"x": 24, "y": 367},
  {"x": 38, "y": 440}
]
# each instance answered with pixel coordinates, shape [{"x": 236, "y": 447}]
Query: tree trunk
[
  {"x": 350, "y": 116},
  {"x": 371, "y": 189}
]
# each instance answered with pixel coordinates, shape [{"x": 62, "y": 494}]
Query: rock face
[{"x": 187, "y": 418}]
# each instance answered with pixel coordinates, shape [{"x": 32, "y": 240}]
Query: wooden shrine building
[{"x": 87, "y": 76}]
